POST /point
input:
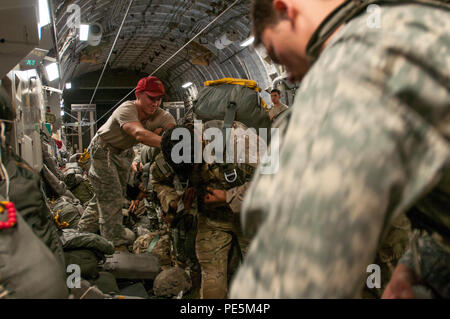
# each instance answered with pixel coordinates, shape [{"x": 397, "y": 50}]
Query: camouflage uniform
[
  {"x": 108, "y": 175},
  {"x": 89, "y": 220},
  {"x": 391, "y": 249},
  {"x": 368, "y": 136},
  {"x": 218, "y": 229},
  {"x": 433, "y": 263}
]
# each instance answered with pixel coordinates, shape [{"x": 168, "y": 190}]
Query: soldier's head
[
  {"x": 149, "y": 94},
  {"x": 284, "y": 27},
  {"x": 275, "y": 96},
  {"x": 177, "y": 147}
]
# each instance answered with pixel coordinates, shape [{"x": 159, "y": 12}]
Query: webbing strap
[
  {"x": 230, "y": 116},
  {"x": 152, "y": 244}
]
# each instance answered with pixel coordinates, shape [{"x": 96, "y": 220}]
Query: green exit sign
[{"x": 31, "y": 62}]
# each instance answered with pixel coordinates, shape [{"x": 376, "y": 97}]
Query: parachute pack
[{"x": 231, "y": 100}]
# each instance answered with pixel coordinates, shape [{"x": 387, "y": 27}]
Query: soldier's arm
[
  {"x": 136, "y": 130},
  {"x": 163, "y": 186},
  {"x": 235, "y": 196}
]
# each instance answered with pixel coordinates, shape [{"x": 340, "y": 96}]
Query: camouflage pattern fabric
[
  {"x": 88, "y": 222},
  {"x": 108, "y": 175},
  {"x": 216, "y": 226},
  {"x": 214, "y": 243},
  {"x": 368, "y": 136},
  {"x": 157, "y": 243},
  {"x": 391, "y": 249},
  {"x": 171, "y": 282},
  {"x": 434, "y": 262},
  {"x": 83, "y": 191}
]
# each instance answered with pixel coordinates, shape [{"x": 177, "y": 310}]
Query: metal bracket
[{"x": 229, "y": 175}]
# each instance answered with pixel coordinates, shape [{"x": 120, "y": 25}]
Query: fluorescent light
[
  {"x": 248, "y": 42},
  {"x": 62, "y": 113},
  {"x": 84, "y": 32},
  {"x": 186, "y": 85},
  {"x": 32, "y": 73},
  {"x": 68, "y": 85},
  {"x": 52, "y": 71},
  {"x": 44, "y": 13}
]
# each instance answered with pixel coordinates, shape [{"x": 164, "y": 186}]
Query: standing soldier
[
  {"x": 277, "y": 106},
  {"x": 368, "y": 139},
  {"x": 112, "y": 153},
  {"x": 213, "y": 193}
]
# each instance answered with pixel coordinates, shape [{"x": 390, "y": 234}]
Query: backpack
[
  {"x": 83, "y": 191},
  {"x": 72, "y": 175},
  {"x": 232, "y": 100},
  {"x": 28, "y": 269},
  {"x": 25, "y": 192},
  {"x": 67, "y": 213}
]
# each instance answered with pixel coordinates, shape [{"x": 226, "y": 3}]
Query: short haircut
[
  {"x": 263, "y": 15},
  {"x": 276, "y": 91}
]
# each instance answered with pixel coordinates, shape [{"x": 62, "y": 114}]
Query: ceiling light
[
  {"x": 44, "y": 13},
  {"x": 84, "y": 32},
  {"x": 52, "y": 71},
  {"x": 186, "y": 85},
  {"x": 68, "y": 85},
  {"x": 248, "y": 42},
  {"x": 62, "y": 113}
]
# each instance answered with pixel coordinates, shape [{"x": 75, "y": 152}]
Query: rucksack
[
  {"x": 231, "y": 100},
  {"x": 25, "y": 192},
  {"x": 28, "y": 269},
  {"x": 73, "y": 175},
  {"x": 66, "y": 212},
  {"x": 83, "y": 191}
]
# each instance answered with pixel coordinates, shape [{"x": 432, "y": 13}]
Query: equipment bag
[
  {"x": 67, "y": 213},
  {"x": 28, "y": 269},
  {"x": 129, "y": 266},
  {"x": 229, "y": 100}
]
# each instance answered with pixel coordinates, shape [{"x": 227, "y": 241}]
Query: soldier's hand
[
  {"x": 215, "y": 197},
  {"x": 133, "y": 206},
  {"x": 173, "y": 206},
  {"x": 134, "y": 167},
  {"x": 401, "y": 284},
  {"x": 188, "y": 197},
  {"x": 158, "y": 131}
]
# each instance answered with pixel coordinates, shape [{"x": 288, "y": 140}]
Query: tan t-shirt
[
  {"x": 275, "y": 111},
  {"x": 112, "y": 133}
]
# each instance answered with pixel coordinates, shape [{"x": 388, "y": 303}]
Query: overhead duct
[{"x": 95, "y": 34}]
